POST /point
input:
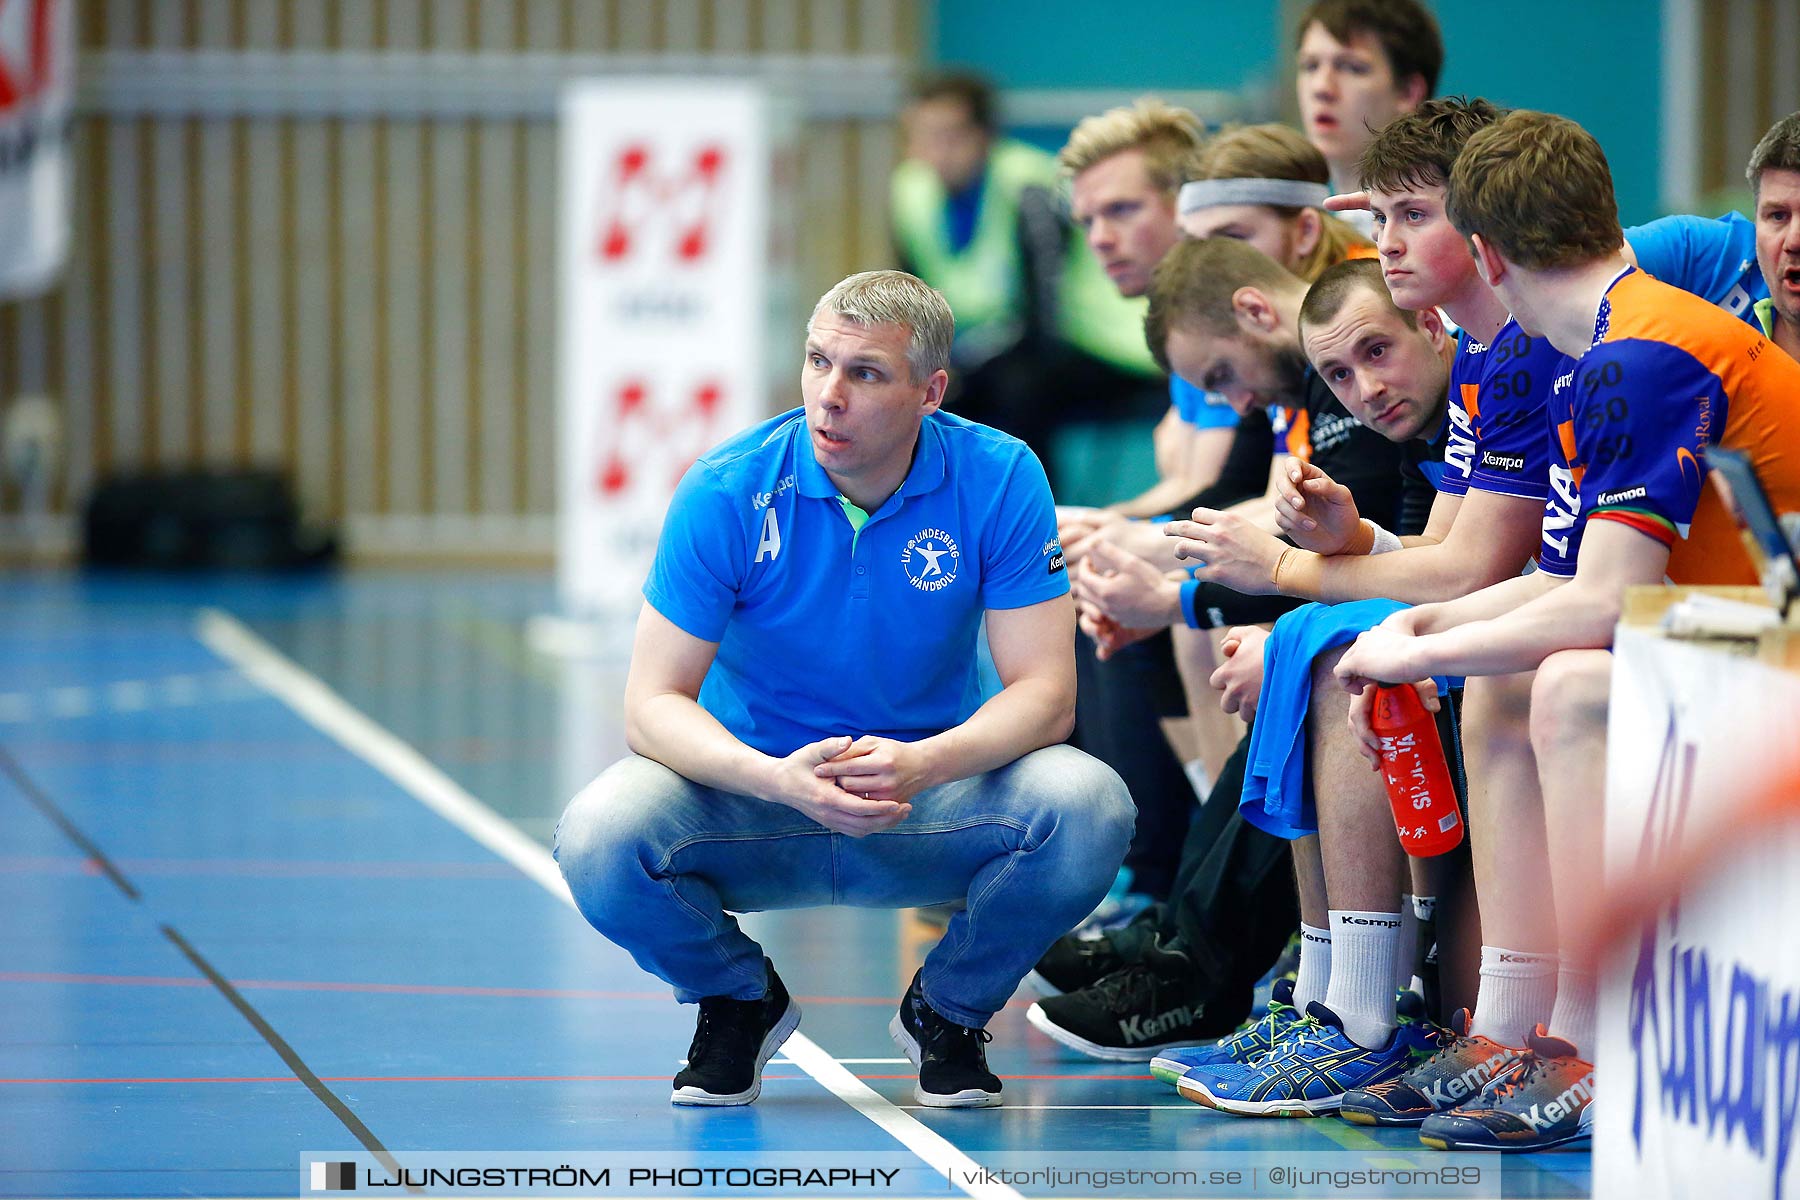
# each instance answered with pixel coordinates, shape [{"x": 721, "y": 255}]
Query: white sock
[
  {"x": 1572, "y": 1017},
  {"x": 1516, "y": 994},
  {"x": 1315, "y": 965},
  {"x": 1409, "y": 940},
  {"x": 1363, "y": 948}
]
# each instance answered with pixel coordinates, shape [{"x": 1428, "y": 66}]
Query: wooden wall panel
[{"x": 363, "y": 291}]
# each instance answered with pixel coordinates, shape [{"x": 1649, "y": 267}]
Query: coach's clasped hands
[{"x": 815, "y": 780}]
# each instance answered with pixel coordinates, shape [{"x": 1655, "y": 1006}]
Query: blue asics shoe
[
  {"x": 1548, "y": 1100},
  {"x": 1308, "y": 1074},
  {"x": 1248, "y": 1042},
  {"x": 1462, "y": 1067}
]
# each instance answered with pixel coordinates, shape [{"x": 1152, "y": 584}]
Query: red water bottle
[{"x": 1417, "y": 777}]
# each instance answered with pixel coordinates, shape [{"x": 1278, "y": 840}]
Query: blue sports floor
[{"x": 244, "y": 915}]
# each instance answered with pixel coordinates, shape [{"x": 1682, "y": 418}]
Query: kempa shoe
[
  {"x": 733, "y": 1041},
  {"x": 1249, "y": 1042},
  {"x": 1073, "y": 963},
  {"x": 952, "y": 1058},
  {"x": 1547, "y": 1100},
  {"x": 1462, "y": 1067},
  {"x": 1309, "y": 1072},
  {"x": 1151, "y": 1006}
]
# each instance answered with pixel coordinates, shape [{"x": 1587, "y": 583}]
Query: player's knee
[
  {"x": 1569, "y": 699},
  {"x": 1087, "y": 797},
  {"x": 607, "y": 828}
]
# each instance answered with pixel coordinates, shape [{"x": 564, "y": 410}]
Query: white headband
[{"x": 1283, "y": 193}]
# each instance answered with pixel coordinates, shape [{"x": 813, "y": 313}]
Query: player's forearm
[
  {"x": 1418, "y": 574},
  {"x": 1490, "y": 602},
  {"x": 1027, "y": 714},
  {"x": 674, "y": 730},
  {"x": 1569, "y": 617}
]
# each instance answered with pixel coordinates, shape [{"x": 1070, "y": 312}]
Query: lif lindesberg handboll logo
[{"x": 931, "y": 559}]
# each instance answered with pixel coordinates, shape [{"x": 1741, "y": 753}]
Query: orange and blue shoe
[
  {"x": 1545, "y": 1101},
  {"x": 1456, "y": 1074}
]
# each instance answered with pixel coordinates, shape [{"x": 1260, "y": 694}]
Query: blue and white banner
[{"x": 1699, "y": 1056}]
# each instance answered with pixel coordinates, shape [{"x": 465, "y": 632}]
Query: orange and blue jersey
[
  {"x": 1667, "y": 376},
  {"x": 1498, "y": 394}
]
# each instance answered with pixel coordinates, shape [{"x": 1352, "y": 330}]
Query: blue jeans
[{"x": 655, "y": 861}]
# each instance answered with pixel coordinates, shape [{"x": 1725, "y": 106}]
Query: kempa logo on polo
[
  {"x": 1622, "y": 495},
  {"x": 930, "y": 560}
]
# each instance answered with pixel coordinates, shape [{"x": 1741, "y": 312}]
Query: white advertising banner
[
  {"x": 1699, "y": 1057},
  {"x": 664, "y": 275},
  {"x": 36, "y": 84}
]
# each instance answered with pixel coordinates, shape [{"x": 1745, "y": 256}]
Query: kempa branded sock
[
  {"x": 1572, "y": 1017},
  {"x": 1363, "y": 948},
  {"x": 1516, "y": 994},
  {"x": 1315, "y": 965}
]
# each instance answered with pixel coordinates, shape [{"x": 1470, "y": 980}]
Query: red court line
[{"x": 400, "y": 989}]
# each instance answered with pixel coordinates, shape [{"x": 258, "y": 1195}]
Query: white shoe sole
[
  {"x": 967, "y": 1098},
  {"x": 1198, "y": 1093},
  {"x": 784, "y": 1029},
  {"x": 1038, "y": 1017}
]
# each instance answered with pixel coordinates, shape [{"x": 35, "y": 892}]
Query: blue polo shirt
[
  {"x": 1713, "y": 259},
  {"x": 824, "y": 629}
]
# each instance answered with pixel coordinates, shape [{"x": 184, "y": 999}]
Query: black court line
[
  {"x": 279, "y": 1044},
  {"x": 41, "y": 801}
]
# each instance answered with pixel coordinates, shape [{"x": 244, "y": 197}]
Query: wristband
[{"x": 1384, "y": 541}]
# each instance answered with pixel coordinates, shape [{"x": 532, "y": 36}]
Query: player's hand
[
  {"x": 879, "y": 769},
  {"x": 1314, "y": 509},
  {"x": 1076, "y": 529},
  {"x": 1348, "y": 202},
  {"x": 1127, "y": 590},
  {"x": 1109, "y": 637},
  {"x": 1384, "y": 654},
  {"x": 1228, "y": 549},
  {"x": 1239, "y": 678},
  {"x": 1362, "y": 710},
  {"x": 798, "y": 787}
]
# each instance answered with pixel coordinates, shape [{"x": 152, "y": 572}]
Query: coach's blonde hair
[
  {"x": 896, "y": 298},
  {"x": 1170, "y": 138}
]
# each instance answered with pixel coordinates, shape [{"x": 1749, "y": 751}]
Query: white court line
[{"x": 335, "y": 717}]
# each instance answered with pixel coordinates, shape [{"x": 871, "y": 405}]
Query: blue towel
[{"x": 1277, "y": 796}]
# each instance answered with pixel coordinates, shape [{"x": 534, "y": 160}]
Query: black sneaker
[
  {"x": 1072, "y": 963},
  {"x": 732, "y": 1041},
  {"x": 1155, "y": 1004},
  {"x": 952, "y": 1060}
]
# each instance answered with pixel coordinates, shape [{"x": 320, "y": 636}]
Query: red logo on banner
[
  {"x": 25, "y": 69},
  {"x": 646, "y": 440},
  {"x": 637, "y": 196}
]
